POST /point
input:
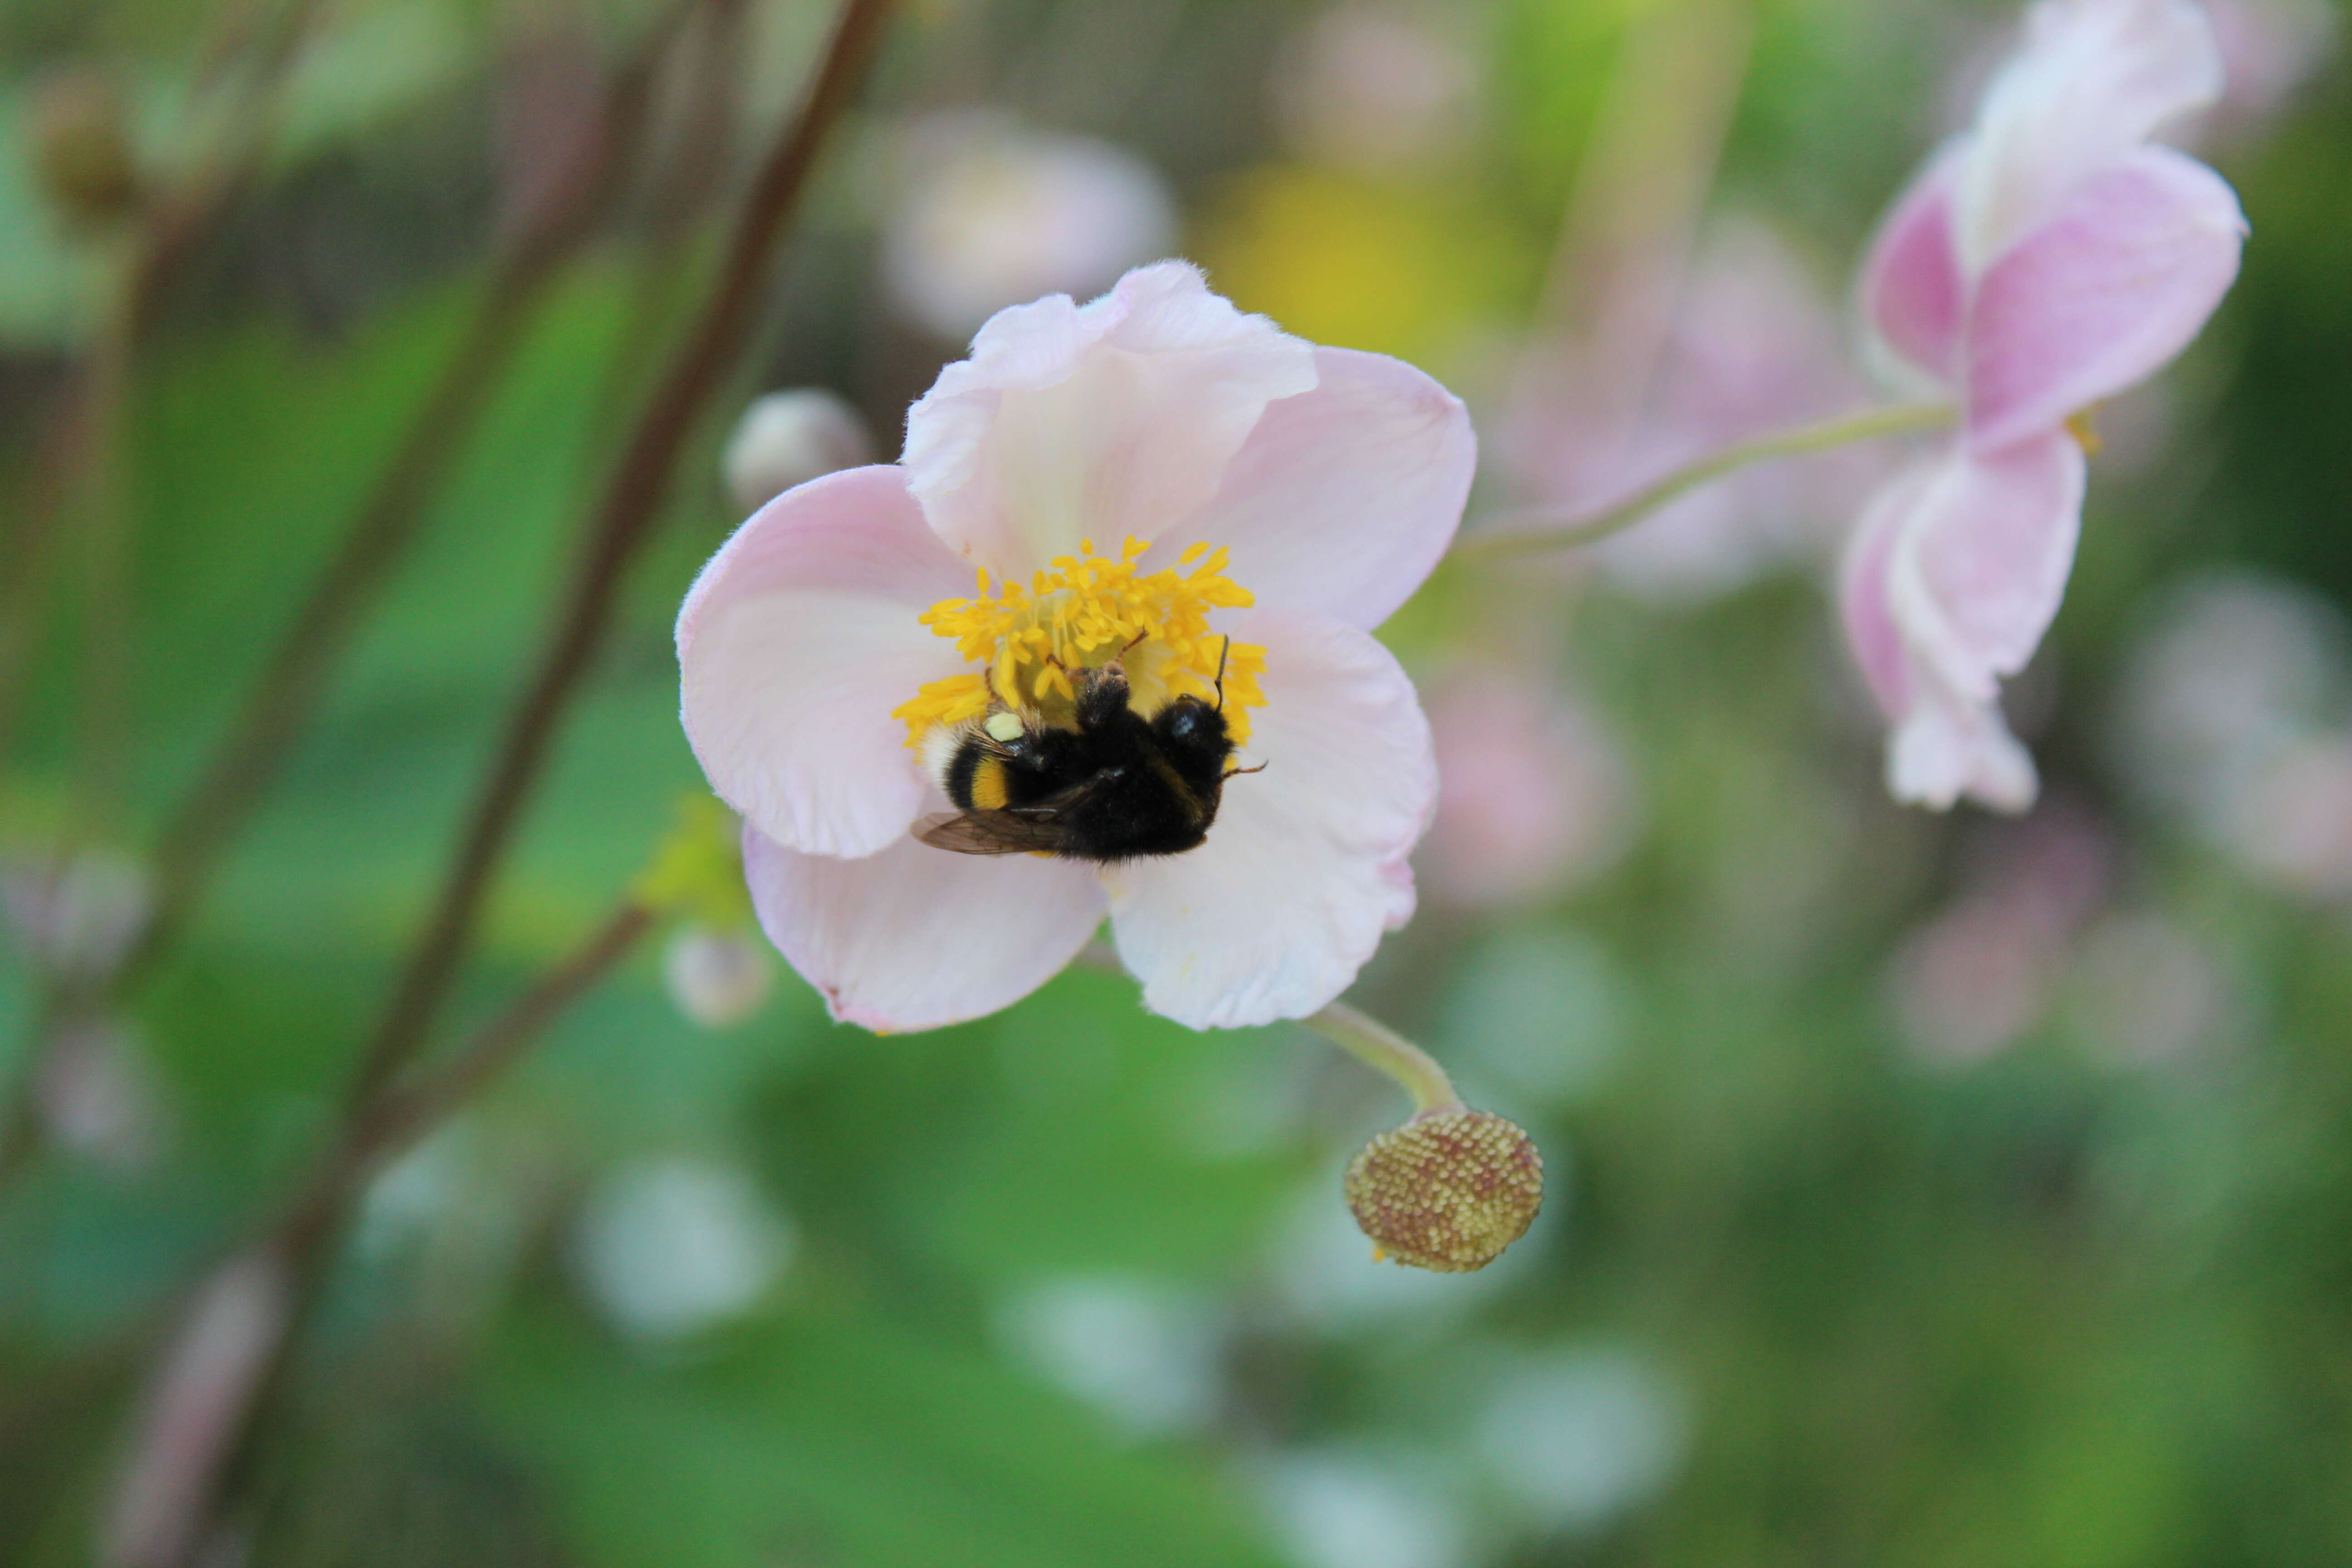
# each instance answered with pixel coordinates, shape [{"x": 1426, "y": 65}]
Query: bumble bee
[{"x": 1114, "y": 786}]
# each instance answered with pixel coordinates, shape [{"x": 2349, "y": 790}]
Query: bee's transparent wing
[{"x": 1022, "y": 830}]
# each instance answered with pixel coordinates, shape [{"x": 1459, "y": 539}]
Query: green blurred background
[{"x": 1939, "y": 1190}]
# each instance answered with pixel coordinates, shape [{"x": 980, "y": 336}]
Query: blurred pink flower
[
  {"x": 1981, "y": 973},
  {"x": 1532, "y": 790},
  {"x": 2269, "y": 48},
  {"x": 1375, "y": 90},
  {"x": 1330, "y": 481},
  {"x": 2293, "y": 822},
  {"x": 1751, "y": 345},
  {"x": 2047, "y": 258}
]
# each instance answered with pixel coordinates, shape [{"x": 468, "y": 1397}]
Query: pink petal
[
  {"x": 1097, "y": 421},
  {"x": 795, "y": 645},
  {"x": 1978, "y": 564},
  {"x": 1871, "y": 631},
  {"x": 1950, "y": 581},
  {"x": 2114, "y": 285},
  {"x": 1305, "y": 866},
  {"x": 1344, "y": 497},
  {"x": 916, "y": 938},
  {"x": 2094, "y": 79},
  {"x": 1912, "y": 292},
  {"x": 1947, "y": 747}
]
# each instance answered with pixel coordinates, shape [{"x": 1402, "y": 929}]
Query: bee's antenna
[{"x": 1224, "y": 652}]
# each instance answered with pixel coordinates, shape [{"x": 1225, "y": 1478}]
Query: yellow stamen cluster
[{"x": 1084, "y": 614}]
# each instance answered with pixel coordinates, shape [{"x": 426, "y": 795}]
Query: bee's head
[{"x": 1190, "y": 723}]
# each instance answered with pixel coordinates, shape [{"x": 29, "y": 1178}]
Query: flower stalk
[
  {"x": 1534, "y": 532},
  {"x": 1388, "y": 1053}
]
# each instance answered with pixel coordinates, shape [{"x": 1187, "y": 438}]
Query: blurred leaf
[
  {"x": 834, "y": 1438},
  {"x": 372, "y": 61},
  {"x": 51, "y": 283}
]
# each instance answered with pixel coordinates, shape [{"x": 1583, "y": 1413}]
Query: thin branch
[
  {"x": 620, "y": 525},
  {"x": 288, "y": 692},
  {"x": 286, "y": 695},
  {"x": 402, "y": 1115},
  {"x": 231, "y": 1340},
  {"x": 169, "y": 228},
  {"x": 1539, "y": 531}
]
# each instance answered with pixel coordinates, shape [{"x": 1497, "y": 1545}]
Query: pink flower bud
[{"x": 718, "y": 978}]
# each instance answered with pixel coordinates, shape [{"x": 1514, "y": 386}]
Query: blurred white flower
[
  {"x": 100, "y": 1097},
  {"x": 991, "y": 215},
  {"x": 1335, "y": 1509},
  {"x": 1533, "y": 790},
  {"x": 455, "y": 1217},
  {"x": 1578, "y": 1437},
  {"x": 788, "y": 439},
  {"x": 414, "y": 1192},
  {"x": 2144, "y": 991},
  {"x": 671, "y": 1247},
  {"x": 718, "y": 978},
  {"x": 1144, "y": 1353},
  {"x": 75, "y": 915},
  {"x": 1370, "y": 90}
]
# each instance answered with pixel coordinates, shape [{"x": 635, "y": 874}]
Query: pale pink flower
[
  {"x": 1328, "y": 482},
  {"x": 2047, "y": 258}
]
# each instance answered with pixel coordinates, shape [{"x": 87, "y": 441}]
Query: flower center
[{"x": 1084, "y": 614}]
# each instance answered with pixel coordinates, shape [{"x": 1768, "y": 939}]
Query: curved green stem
[
  {"x": 1388, "y": 1053},
  {"x": 1548, "y": 533}
]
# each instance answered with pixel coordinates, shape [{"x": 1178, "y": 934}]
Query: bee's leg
[
  {"x": 1236, "y": 772},
  {"x": 1102, "y": 695}
]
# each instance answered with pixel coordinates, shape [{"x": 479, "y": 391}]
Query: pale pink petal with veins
[
  {"x": 916, "y": 938},
  {"x": 795, "y": 644}
]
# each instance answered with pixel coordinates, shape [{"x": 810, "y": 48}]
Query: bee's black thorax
[{"x": 1128, "y": 786}]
